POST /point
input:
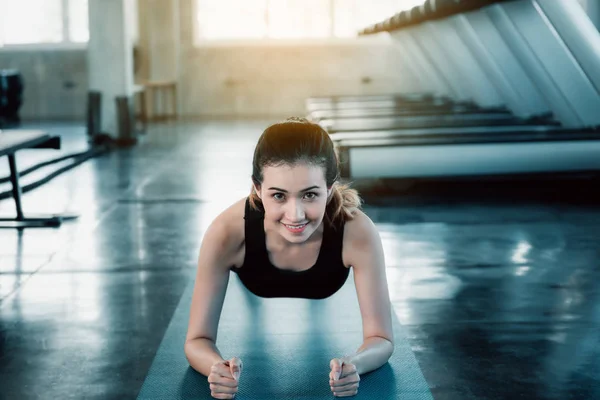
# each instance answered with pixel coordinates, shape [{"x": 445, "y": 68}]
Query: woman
[{"x": 296, "y": 235}]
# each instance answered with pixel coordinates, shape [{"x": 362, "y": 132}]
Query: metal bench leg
[
  {"x": 16, "y": 188},
  {"x": 20, "y": 221}
]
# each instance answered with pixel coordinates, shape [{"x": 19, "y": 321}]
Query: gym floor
[{"x": 497, "y": 292}]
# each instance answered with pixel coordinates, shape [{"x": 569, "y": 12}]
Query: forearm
[
  {"x": 202, "y": 354},
  {"x": 374, "y": 352}
]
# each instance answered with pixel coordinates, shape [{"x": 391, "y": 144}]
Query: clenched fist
[
  {"x": 343, "y": 378},
  {"x": 224, "y": 377}
]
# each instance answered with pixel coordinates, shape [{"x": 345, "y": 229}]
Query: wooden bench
[
  {"x": 10, "y": 143},
  {"x": 158, "y": 100}
]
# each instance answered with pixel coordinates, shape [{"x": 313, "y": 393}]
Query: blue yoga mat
[{"x": 286, "y": 345}]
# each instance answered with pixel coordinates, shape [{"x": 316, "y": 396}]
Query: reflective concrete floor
[{"x": 498, "y": 293}]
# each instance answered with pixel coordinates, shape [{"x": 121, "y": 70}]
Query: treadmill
[
  {"x": 360, "y": 125},
  {"x": 446, "y": 101},
  {"x": 337, "y": 107},
  {"x": 391, "y": 105},
  {"x": 367, "y": 112},
  {"x": 392, "y": 102},
  {"x": 469, "y": 117},
  {"x": 571, "y": 146}
]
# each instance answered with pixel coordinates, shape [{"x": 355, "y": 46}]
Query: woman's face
[{"x": 294, "y": 198}]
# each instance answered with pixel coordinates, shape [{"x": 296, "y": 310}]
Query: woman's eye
[{"x": 307, "y": 196}]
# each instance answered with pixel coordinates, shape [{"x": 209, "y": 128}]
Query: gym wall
[
  {"x": 55, "y": 81},
  {"x": 243, "y": 80}
]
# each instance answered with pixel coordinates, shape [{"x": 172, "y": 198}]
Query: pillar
[{"x": 110, "y": 59}]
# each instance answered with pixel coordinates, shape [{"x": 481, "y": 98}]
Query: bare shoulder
[
  {"x": 360, "y": 235},
  {"x": 226, "y": 232},
  {"x": 360, "y": 229},
  {"x": 233, "y": 216}
]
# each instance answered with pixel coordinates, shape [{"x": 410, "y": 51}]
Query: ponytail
[
  {"x": 343, "y": 204},
  {"x": 253, "y": 199}
]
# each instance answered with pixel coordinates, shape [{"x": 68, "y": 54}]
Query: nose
[{"x": 295, "y": 211}]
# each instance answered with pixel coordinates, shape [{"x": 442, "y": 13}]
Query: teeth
[{"x": 295, "y": 226}]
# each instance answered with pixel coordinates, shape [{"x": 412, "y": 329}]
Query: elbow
[
  {"x": 186, "y": 350},
  {"x": 189, "y": 349},
  {"x": 385, "y": 344},
  {"x": 389, "y": 345}
]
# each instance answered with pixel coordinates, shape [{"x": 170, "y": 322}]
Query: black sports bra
[{"x": 263, "y": 279}]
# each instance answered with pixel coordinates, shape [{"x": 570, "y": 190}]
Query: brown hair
[{"x": 299, "y": 140}]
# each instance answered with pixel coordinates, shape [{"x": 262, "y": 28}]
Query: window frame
[
  {"x": 66, "y": 44},
  {"x": 200, "y": 43}
]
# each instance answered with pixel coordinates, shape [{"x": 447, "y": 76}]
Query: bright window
[
  {"x": 290, "y": 19},
  {"x": 24, "y": 22},
  {"x": 294, "y": 19},
  {"x": 78, "y": 21}
]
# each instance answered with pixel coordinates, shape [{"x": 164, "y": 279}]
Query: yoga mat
[{"x": 286, "y": 345}]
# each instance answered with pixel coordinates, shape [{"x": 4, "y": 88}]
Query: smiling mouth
[{"x": 295, "y": 226}]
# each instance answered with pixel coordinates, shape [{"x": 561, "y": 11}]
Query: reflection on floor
[{"x": 499, "y": 297}]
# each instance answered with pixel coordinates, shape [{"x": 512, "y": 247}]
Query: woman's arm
[
  {"x": 364, "y": 252},
  {"x": 202, "y": 354},
  {"x": 217, "y": 252}
]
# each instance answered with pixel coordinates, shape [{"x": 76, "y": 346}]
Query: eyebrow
[{"x": 285, "y": 191}]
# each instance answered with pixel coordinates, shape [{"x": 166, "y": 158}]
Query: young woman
[{"x": 296, "y": 235}]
